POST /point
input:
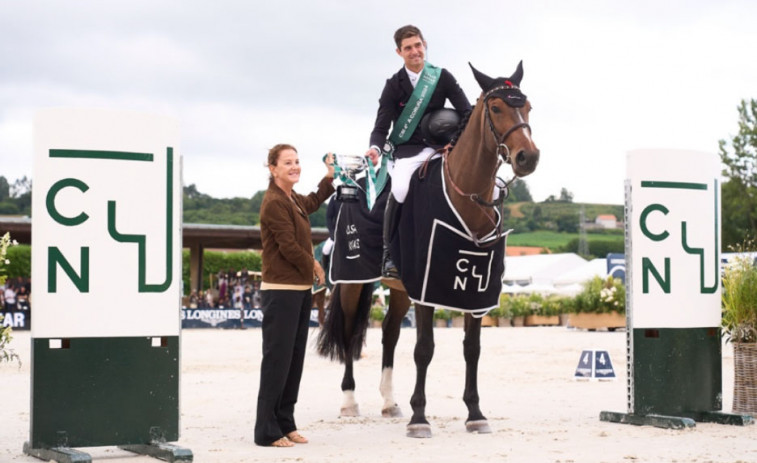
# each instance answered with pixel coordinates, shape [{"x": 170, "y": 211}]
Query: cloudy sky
[{"x": 240, "y": 76}]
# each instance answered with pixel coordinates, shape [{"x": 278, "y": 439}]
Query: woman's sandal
[
  {"x": 282, "y": 442},
  {"x": 297, "y": 438}
]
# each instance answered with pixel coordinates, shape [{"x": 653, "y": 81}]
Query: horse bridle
[
  {"x": 503, "y": 152},
  {"x": 500, "y": 139},
  {"x": 501, "y": 149}
]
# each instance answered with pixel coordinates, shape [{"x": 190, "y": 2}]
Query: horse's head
[{"x": 506, "y": 112}]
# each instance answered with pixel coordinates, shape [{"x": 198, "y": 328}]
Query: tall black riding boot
[{"x": 391, "y": 219}]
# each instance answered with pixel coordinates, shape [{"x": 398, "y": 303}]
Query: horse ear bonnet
[
  {"x": 438, "y": 127},
  {"x": 505, "y": 88}
]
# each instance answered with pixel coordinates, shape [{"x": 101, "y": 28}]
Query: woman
[{"x": 288, "y": 270}]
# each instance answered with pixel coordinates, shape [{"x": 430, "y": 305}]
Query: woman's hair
[{"x": 273, "y": 155}]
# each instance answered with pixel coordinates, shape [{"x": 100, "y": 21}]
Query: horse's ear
[
  {"x": 484, "y": 81},
  {"x": 518, "y": 75}
]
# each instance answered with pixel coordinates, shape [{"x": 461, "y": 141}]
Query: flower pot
[
  {"x": 488, "y": 320},
  {"x": 745, "y": 377},
  {"x": 440, "y": 323},
  {"x": 537, "y": 320},
  {"x": 457, "y": 322},
  {"x": 504, "y": 322},
  {"x": 518, "y": 320},
  {"x": 594, "y": 321}
]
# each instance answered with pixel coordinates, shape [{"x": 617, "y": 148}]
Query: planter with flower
[
  {"x": 377, "y": 316},
  {"x": 441, "y": 318},
  {"x": 6, "y": 354},
  {"x": 601, "y": 304},
  {"x": 544, "y": 311},
  {"x": 518, "y": 306},
  {"x": 740, "y": 328}
]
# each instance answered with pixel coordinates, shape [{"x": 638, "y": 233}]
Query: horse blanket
[
  {"x": 438, "y": 259},
  {"x": 358, "y": 239}
]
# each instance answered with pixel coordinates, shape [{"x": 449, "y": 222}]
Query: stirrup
[{"x": 389, "y": 270}]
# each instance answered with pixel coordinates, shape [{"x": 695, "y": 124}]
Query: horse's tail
[{"x": 333, "y": 342}]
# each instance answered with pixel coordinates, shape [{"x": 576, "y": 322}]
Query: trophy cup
[{"x": 349, "y": 166}]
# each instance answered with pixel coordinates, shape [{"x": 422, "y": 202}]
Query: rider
[{"x": 408, "y": 147}]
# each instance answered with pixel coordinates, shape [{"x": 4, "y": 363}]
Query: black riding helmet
[{"x": 438, "y": 127}]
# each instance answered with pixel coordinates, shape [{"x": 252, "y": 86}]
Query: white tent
[
  {"x": 595, "y": 267},
  {"x": 540, "y": 269}
]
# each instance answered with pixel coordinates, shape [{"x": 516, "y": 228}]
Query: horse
[{"x": 495, "y": 131}]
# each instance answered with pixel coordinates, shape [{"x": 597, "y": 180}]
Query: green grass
[
  {"x": 554, "y": 241},
  {"x": 543, "y": 238}
]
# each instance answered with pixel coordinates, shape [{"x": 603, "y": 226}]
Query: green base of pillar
[
  {"x": 676, "y": 422},
  {"x": 163, "y": 451},
  {"x": 659, "y": 421},
  {"x": 58, "y": 454}
]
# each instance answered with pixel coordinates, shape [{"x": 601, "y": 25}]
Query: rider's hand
[{"x": 374, "y": 155}]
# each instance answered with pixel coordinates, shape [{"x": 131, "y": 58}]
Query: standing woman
[{"x": 288, "y": 271}]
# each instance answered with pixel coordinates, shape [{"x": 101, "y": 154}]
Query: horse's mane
[{"x": 460, "y": 127}]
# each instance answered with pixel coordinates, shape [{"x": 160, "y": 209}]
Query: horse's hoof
[
  {"x": 420, "y": 430},
  {"x": 479, "y": 426},
  {"x": 352, "y": 410},
  {"x": 392, "y": 412}
]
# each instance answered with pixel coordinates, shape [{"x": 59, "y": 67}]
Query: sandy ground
[{"x": 538, "y": 412}]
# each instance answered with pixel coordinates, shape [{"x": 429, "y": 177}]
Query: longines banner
[
  {"x": 674, "y": 223},
  {"x": 107, "y": 224}
]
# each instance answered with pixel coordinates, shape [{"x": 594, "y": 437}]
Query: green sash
[
  {"x": 407, "y": 122},
  {"x": 404, "y": 127}
]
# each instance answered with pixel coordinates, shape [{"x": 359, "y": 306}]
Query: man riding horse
[{"x": 418, "y": 88}]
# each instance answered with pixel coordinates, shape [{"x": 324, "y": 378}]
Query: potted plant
[
  {"x": 441, "y": 318},
  {"x": 739, "y": 324},
  {"x": 6, "y": 355},
  {"x": 601, "y": 304},
  {"x": 519, "y": 308},
  {"x": 544, "y": 310},
  {"x": 377, "y": 316},
  {"x": 502, "y": 313},
  {"x": 456, "y": 318}
]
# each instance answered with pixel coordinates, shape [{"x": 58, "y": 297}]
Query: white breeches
[{"x": 402, "y": 171}]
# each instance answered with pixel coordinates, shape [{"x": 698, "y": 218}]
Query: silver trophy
[{"x": 350, "y": 165}]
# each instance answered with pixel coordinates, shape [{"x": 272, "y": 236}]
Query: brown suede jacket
[{"x": 285, "y": 232}]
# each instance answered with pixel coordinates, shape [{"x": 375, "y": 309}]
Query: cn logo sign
[
  {"x": 77, "y": 269},
  {"x": 678, "y": 235},
  {"x": 468, "y": 266}
]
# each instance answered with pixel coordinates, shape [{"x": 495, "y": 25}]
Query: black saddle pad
[
  {"x": 358, "y": 241},
  {"x": 439, "y": 261}
]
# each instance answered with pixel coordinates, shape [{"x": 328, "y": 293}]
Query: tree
[
  {"x": 566, "y": 196},
  {"x": 739, "y": 192},
  {"x": 4, "y": 188},
  {"x": 519, "y": 192}
]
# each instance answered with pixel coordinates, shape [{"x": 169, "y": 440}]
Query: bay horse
[{"x": 495, "y": 131}]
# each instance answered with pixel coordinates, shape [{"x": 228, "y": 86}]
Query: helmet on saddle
[{"x": 438, "y": 127}]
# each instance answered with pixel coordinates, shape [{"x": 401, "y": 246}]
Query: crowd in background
[
  {"x": 15, "y": 294},
  {"x": 230, "y": 290}
]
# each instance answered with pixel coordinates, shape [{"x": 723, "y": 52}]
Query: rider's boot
[{"x": 391, "y": 218}]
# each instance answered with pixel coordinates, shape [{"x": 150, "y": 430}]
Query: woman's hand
[
  {"x": 320, "y": 275},
  {"x": 330, "y": 164},
  {"x": 373, "y": 155}
]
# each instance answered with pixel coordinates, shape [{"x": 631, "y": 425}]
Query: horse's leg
[
  {"x": 398, "y": 306},
  {"x": 349, "y": 297},
  {"x": 476, "y": 421},
  {"x": 424, "y": 352}
]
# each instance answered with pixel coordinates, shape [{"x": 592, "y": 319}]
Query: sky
[{"x": 240, "y": 76}]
